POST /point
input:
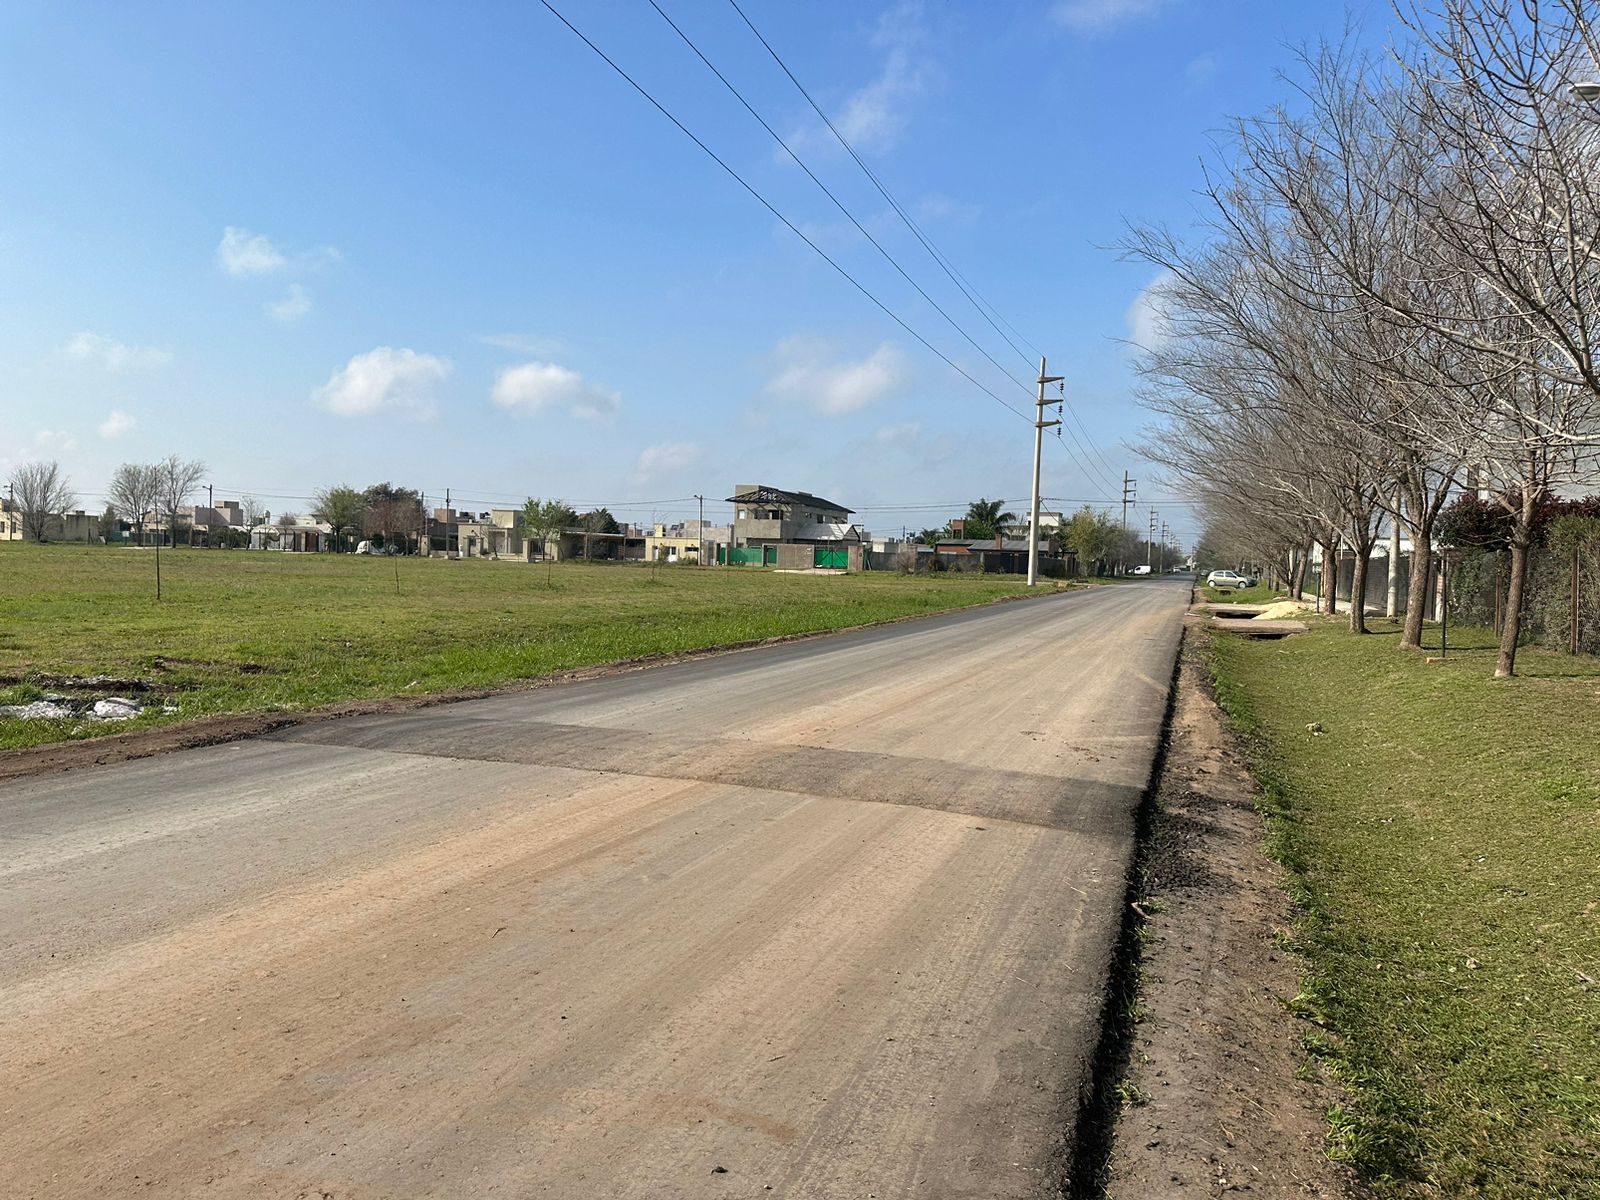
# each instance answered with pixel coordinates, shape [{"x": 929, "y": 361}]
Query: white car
[
  {"x": 1141, "y": 569},
  {"x": 1229, "y": 579}
]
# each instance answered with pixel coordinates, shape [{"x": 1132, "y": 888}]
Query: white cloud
[
  {"x": 832, "y": 388},
  {"x": 874, "y": 116},
  {"x": 117, "y": 423},
  {"x": 658, "y": 461},
  {"x": 1147, "y": 323},
  {"x": 537, "y": 386},
  {"x": 1102, "y": 16},
  {"x": 243, "y": 254},
  {"x": 295, "y": 304},
  {"x": 113, "y": 355},
  {"x": 384, "y": 380}
]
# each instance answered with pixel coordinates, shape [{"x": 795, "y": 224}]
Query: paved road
[{"x": 828, "y": 918}]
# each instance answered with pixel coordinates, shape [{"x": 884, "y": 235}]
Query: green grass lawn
[
  {"x": 241, "y": 631},
  {"x": 1443, "y": 840},
  {"x": 1260, "y": 594}
]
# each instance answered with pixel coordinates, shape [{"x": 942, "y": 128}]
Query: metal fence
[{"x": 1560, "y": 603}]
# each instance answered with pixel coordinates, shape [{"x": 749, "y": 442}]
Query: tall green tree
[
  {"x": 392, "y": 513},
  {"x": 986, "y": 518},
  {"x": 341, "y": 507},
  {"x": 599, "y": 520},
  {"x": 1094, "y": 536}
]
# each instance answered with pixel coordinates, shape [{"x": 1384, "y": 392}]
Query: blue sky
[{"x": 318, "y": 243}]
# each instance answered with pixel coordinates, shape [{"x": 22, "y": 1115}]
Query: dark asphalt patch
[{"x": 1087, "y": 807}]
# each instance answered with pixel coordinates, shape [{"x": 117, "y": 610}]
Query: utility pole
[
  {"x": 700, "y": 532},
  {"x": 1162, "y": 557},
  {"x": 1150, "y": 542},
  {"x": 1039, "y": 426},
  {"x": 1130, "y": 490}
]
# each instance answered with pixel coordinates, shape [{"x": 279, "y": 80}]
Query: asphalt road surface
[{"x": 828, "y": 918}]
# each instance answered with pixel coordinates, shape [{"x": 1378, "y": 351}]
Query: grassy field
[
  {"x": 1443, "y": 838},
  {"x": 239, "y": 631}
]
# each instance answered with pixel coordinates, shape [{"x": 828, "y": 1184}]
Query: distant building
[
  {"x": 683, "y": 542},
  {"x": 767, "y": 516},
  {"x": 10, "y": 521}
]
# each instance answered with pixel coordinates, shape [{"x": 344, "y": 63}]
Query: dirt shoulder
[{"x": 1215, "y": 1102}]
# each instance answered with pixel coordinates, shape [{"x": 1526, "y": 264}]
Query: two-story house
[{"x": 767, "y": 516}]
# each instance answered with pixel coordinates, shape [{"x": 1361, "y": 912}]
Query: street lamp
[{"x": 1586, "y": 89}]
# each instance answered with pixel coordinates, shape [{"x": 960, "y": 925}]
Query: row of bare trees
[{"x": 1394, "y": 294}]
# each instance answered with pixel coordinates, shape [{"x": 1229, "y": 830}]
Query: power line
[
  {"x": 765, "y": 203},
  {"x": 837, "y": 203},
  {"x": 949, "y": 268},
  {"x": 977, "y": 301}
]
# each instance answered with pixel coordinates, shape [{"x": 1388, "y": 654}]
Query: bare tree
[
  {"x": 133, "y": 492},
  {"x": 43, "y": 493},
  {"x": 251, "y": 513},
  {"x": 176, "y": 480}
]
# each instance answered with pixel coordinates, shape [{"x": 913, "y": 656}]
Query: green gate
[
  {"x": 837, "y": 559},
  {"x": 742, "y": 556}
]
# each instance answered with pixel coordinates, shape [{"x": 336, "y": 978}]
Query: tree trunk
[
  {"x": 1358, "y": 590},
  {"x": 1330, "y": 578},
  {"x": 1417, "y": 596},
  {"x": 1506, "y": 664}
]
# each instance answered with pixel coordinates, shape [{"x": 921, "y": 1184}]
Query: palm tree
[{"x": 985, "y": 518}]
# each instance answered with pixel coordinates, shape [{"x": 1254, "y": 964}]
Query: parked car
[
  {"x": 1141, "y": 569},
  {"x": 1229, "y": 579}
]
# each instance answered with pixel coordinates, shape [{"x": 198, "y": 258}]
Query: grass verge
[
  {"x": 1441, "y": 833},
  {"x": 1260, "y": 594},
  {"x": 245, "y": 632}
]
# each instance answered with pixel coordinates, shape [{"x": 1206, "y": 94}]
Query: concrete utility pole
[
  {"x": 1130, "y": 490},
  {"x": 1162, "y": 557},
  {"x": 1150, "y": 543},
  {"x": 1039, "y": 426},
  {"x": 700, "y": 532},
  {"x": 1392, "y": 606}
]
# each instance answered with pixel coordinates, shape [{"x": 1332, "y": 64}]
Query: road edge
[
  {"x": 1207, "y": 1084},
  {"x": 1094, "y": 1130}
]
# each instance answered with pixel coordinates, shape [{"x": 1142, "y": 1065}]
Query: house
[
  {"x": 684, "y": 542},
  {"x": 1049, "y": 524},
  {"x": 792, "y": 530},
  {"x": 77, "y": 526},
  {"x": 297, "y": 533},
  {"x": 491, "y": 534},
  {"x": 10, "y": 521},
  {"x": 769, "y": 516},
  {"x": 1001, "y": 555}
]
